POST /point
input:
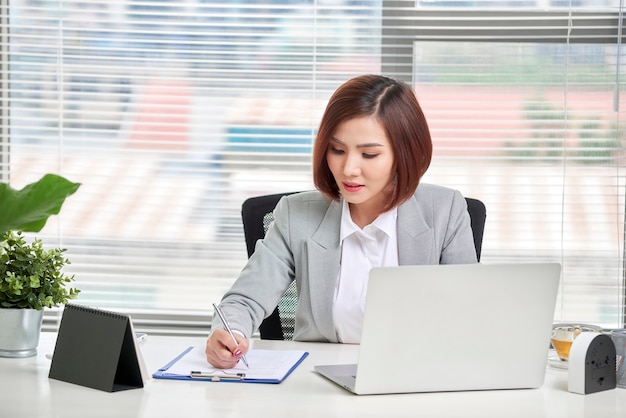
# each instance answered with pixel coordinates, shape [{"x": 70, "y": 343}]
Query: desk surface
[{"x": 26, "y": 391}]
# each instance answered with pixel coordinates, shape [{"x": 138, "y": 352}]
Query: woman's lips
[{"x": 352, "y": 187}]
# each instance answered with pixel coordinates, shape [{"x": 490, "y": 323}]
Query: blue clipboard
[{"x": 221, "y": 377}]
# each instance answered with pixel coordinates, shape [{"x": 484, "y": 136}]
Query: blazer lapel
[
  {"x": 415, "y": 237},
  {"x": 324, "y": 256}
]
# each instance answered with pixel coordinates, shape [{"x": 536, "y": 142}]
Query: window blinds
[
  {"x": 527, "y": 113},
  {"x": 170, "y": 113}
]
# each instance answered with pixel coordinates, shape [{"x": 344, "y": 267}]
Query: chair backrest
[
  {"x": 256, "y": 214},
  {"x": 478, "y": 215}
]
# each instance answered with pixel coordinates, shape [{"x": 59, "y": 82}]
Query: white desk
[{"x": 26, "y": 392}]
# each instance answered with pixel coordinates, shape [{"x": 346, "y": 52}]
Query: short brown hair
[{"x": 394, "y": 105}]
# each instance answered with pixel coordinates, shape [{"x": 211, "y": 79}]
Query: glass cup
[
  {"x": 564, "y": 335},
  {"x": 619, "y": 339}
]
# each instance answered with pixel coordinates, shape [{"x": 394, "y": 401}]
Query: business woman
[{"x": 370, "y": 209}]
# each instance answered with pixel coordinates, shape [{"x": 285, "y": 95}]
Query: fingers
[
  {"x": 218, "y": 354},
  {"x": 221, "y": 351},
  {"x": 242, "y": 345}
]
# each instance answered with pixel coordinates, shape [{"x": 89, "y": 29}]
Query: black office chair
[
  {"x": 478, "y": 215},
  {"x": 256, "y": 214}
]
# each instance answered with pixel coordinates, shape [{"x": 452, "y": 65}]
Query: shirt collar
[{"x": 385, "y": 222}]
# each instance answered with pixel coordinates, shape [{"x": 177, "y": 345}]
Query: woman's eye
[
  {"x": 365, "y": 155},
  {"x": 336, "y": 150}
]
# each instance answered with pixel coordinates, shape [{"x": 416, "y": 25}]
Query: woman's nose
[{"x": 351, "y": 167}]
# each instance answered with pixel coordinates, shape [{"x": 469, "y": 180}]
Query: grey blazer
[{"x": 303, "y": 244}]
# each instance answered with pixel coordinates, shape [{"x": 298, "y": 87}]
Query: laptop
[{"x": 456, "y": 327}]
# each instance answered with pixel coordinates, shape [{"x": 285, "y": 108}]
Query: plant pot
[{"x": 19, "y": 332}]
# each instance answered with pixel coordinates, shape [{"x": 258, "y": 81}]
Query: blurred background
[{"x": 172, "y": 112}]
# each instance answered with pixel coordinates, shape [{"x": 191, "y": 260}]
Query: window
[
  {"x": 170, "y": 113},
  {"x": 526, "y": 109}
]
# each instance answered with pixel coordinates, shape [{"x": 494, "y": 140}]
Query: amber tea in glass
[{"x": 562, "y": 339}]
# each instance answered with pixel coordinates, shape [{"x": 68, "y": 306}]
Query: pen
[{"x": 223, "y": 319}]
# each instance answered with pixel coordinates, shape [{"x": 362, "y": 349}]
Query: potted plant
[{"x": 31, "y": 277}]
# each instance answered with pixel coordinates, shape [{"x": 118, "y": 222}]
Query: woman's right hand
[{"x": 222, "y": 352}]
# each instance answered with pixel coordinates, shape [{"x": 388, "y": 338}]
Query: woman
[{"x": 372, "y": 148}]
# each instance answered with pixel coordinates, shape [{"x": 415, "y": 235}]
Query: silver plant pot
[{"x": 19, "y": 332}]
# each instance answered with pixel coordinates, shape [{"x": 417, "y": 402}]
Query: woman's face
[{"x": 361, "y": 160}]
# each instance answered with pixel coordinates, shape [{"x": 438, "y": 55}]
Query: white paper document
[{"x": 264, "y": 365}]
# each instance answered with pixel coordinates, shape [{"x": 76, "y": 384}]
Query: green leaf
[
  {"x": 28, "y": 209},
  {"x": 34, "y": 282},
  {"x": 31, "y": 276}
]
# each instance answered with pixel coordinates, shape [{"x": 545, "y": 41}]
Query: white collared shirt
[{"x": 375, "y": 245}]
